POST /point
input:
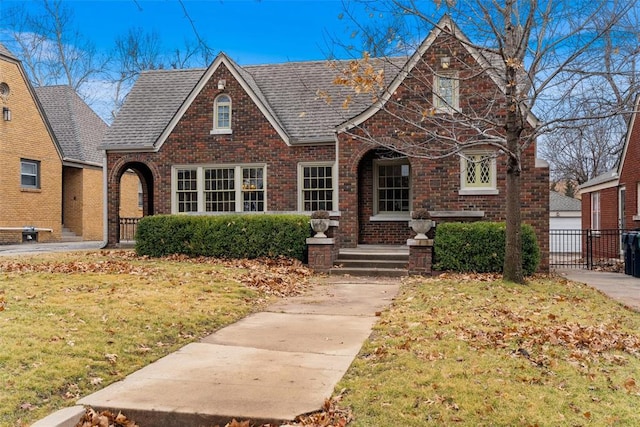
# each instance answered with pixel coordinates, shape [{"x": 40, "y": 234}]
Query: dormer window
[{"x": 222, "y": 114}]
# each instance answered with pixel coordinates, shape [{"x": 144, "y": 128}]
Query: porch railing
[{"x": 128, "y": 228}]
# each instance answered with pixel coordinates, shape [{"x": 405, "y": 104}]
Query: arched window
[{"x": 222, "y": 114}]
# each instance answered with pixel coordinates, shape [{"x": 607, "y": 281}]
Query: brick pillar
[
  {"x": 420, "y": 256},
  {"x": 321, "y": 253}
]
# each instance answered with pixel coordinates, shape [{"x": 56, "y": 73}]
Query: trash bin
[
  {"x": 628, "y": 254},
  {"x": 635, "y": 254}
]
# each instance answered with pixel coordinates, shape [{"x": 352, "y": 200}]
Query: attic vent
[{"x": 4, "y": 91}]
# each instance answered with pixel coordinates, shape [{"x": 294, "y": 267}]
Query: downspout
[{"x": 105, "y": 201}]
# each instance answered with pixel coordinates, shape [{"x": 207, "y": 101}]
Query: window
[
  {"x": 253, "y": 189},
  {"x": 595, "y": 211},
  {"x": 222, "y": 114},
  {"x": 445, "y": 93},
  {"x": 187, "y": 194},
  {"x": 392, "y": 192},
  {"x": 29, "y": 174},
  {"x": 477, "y": 173},
  {"x": 316, "y": 187},
  {"x": 219, "y": 188}
]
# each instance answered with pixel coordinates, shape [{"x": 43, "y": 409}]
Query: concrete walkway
[
  {"x": 34, "y": 248},
  {"x": 621, "y": 287},
  {"x": 269, "y": 367}
]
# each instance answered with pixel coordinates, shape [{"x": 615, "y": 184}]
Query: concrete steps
[
  {"x": 70, "y": 236},
  {"x": 372, "y": 260}
]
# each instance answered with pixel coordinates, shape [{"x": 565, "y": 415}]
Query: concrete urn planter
[
  {"x": 421, "y": 227},
  {"x": 319, "y": 225}
]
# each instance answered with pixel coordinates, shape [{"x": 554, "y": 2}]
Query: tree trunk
[{"x": 513, "y": 240}]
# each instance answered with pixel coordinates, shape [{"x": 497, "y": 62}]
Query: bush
[
  {"x": 225, "y": 236},
  {"x": 479, "y": 247}
]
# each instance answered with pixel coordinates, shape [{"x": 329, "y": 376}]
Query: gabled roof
[
  {"x": 6, "y": 52},
  {"x": 77, "y": 128},
  {"x": 490, "y": 65},
  {"x": 605, "y": 180},
  {"x": 560, "y": 202}
]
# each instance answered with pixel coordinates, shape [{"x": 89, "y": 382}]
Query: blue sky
[{"x": 250, "y": 31}]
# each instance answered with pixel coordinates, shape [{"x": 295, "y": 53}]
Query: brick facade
[
  {"x": 26, "y": 137},
  {"x": 435, "y": 185}
]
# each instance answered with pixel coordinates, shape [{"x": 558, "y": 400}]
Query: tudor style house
[{"x": 264, "y": 139}]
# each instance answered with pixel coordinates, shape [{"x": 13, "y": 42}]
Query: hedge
[
  {"x": 224, "y": 236},
  {"x": 480, "y": 246}
]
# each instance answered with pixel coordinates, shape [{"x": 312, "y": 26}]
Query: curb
[{"x": 66, "y": 417}]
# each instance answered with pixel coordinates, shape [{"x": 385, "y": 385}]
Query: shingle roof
[
  {"x": 560, "y": 202},
  {"x": 289, "y": 92},
  {"x": 6, "y": 52},
  {"x": 78, "y": 129},
  {"x": 152, "y": 102},
  {"x": 611, "y": 175}
]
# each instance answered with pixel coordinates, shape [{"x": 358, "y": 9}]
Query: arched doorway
[{"x": 131, "y": 197}]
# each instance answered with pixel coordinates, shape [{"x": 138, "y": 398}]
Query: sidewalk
[
  {"x": 621, "y": 287},
  {"x": 32, "y": 248},
  {"x": 269, "y": 367}
]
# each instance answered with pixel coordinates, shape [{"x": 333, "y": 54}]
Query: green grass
[
  {"x": 466, "y": 352},
  {"x": 74, "y": 323}
]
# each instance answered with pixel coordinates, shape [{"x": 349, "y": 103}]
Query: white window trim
[
  {"x": 596, "y": 195},
  {"x": 36, "y": 163},
  {"x": 334, "y": 182},
  {"x": 221, "y": 130},
  {"x": 200, "y": 185},
  {"x": 456, "y": 93},
  {"x": 390, "y": 216},
  {"x": 490, "y": 190}
]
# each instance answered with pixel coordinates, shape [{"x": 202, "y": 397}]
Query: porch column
[
  {"x": 420, "y": 256},
  {"x": 321, "y": 253}
]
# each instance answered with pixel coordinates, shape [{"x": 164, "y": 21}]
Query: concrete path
[
  {"x": 34, "y": 248},
  {"x": 268, "y": 367},
  {"x": 620, "y": 287}
]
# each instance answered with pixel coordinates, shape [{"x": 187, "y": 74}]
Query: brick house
[
  {"x": 264, "y": 139},
  {"x": 51, "y": 173},
  {"x": 612, "y": 200}
]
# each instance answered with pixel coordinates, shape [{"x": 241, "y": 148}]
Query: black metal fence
[
  {"x": 585, "y": 248},
  {"x": 128, "y": 229}
]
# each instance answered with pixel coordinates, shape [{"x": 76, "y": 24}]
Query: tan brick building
[
  {"x": 30, "y": 161},
  {"x": 51, "y": 175}
]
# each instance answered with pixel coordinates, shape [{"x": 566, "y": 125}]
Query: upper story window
[
  {"x": 29, "y": 174},
  {"x": 222, "y": 114},
  {"x": 477, "y": 173},
  {"x": 445, "y": 93}
]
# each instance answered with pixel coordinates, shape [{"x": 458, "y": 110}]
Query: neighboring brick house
[
  {"x": 612, "y": 200},
  {"x": 51, "y": 173},
  {"x": 30, "y": 161},
  {"x": 264, "y": 139}
]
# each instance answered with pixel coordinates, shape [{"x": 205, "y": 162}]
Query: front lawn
[
  {"x": 471, "y": 350},
  {"x": 72, "y": 323}
]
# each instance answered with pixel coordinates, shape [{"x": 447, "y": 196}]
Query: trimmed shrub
[
  {"x": 224, "y": 236},
  {"x": 479, "y": 247}
]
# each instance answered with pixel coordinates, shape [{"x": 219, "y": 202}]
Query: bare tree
[
  {"x": 51, "y": 48},
  {"x": 539, "y": 53}
]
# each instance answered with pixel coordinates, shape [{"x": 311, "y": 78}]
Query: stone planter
[
  {"x": 319, "y": 226},
  {"x": 421, "y": 227}
]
